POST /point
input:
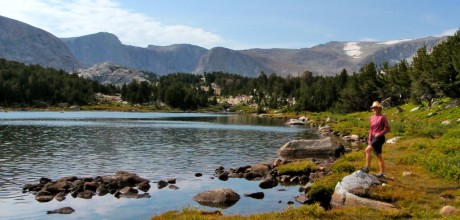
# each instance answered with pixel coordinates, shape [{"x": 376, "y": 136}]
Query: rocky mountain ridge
[{"x": 24, "y": 43}]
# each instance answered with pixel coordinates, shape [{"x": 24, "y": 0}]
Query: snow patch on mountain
[
  {"x": 394, "y": 41},
  {"x": 353, "y": 49}
]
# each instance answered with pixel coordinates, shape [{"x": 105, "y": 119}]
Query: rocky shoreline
[{"x": 322, "y": 152}]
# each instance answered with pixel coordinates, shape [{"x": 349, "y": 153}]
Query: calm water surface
[{"x": 153, "y": 145}]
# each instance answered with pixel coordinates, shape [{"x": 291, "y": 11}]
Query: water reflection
[{"x": 153, "y": 145}]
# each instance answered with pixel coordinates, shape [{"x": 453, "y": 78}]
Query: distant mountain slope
[
  {"x": 231, "y": 61},
  {"x": 27, "y": 44},
  {"x": 106, "y": 47},
  {"x": 324, "y": 59}
]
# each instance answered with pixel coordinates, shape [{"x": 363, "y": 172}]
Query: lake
[{"x": 155, "y": 146}]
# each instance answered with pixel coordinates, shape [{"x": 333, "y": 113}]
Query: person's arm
[{"x": 386, "y": 126}]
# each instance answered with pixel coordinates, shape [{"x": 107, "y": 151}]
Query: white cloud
[
  {"x": 394, "y": 41},
  {"x": 449, "y": 32},
  {"x": 81, "y": 17}
]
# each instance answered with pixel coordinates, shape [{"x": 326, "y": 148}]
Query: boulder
[
  {"x": 251, "y": 176},
  {"x": 448, "y": 210},
  {"x": 260, "y": 169},
  {"x": 302, "y": 199},
  {"x": 44, "y": 196},
  {"x": 102, "y": 190},
  {"x": 60, "y": 196},
  {"x": 311, "y": 148},
  {"x": 268, "y": 183},
  {"x": 144, "y": 186},
  {"x": 357, "y": 182},
  {"x": 393, "y": 140},
  {"x": 162, "y": 184},
  {"x": 220, "y": 198},
  {"x": 223, "y": 176},
  {"x": 87, "y": 194},
  {"x": 171, "y": 180}
]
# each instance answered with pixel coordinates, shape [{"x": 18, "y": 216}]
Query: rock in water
[
  {"x": 221, "y": 198},
  {"x": 256, "y": 195},
  {"x": 65, "y": 210}
]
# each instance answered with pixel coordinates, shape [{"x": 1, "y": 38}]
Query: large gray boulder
[
  {"x": 347, "y": 192},
  {"x": 220, "y": 198},
  {"x": 311, "y": 148}
]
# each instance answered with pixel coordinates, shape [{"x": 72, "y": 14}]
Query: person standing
[{"x": 379, "y": 126}]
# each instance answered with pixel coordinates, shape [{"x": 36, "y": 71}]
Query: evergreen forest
[{"x": 430, "y": 75}]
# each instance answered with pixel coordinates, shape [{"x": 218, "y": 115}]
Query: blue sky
[{"x": 240, "y": 24}]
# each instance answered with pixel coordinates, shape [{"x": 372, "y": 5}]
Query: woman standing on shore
[{"x": 379, "y": 126}]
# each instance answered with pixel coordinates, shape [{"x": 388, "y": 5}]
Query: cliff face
[
  {"x": 107, "y": 73},
  {"x": 27, "y": 44},
  {"x": 106, "y": 47},
  {"x": 231, "y": 61}
]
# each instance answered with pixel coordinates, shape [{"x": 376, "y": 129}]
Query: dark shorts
[{"x": 377, "y": 143}]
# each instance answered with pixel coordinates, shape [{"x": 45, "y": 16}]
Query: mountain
[
  {"x": 108, "y": 73},
  {"x": 325, "y": 59},
  {"x": 27, "y": 44},
  {"x": 106, "y": 47},
  {"x": 24, "y": 43}
]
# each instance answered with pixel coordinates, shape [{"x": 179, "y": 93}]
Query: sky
[{"x": 240, "y": 24}]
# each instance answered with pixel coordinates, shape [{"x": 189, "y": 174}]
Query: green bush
[
  {"x": 443, "y": 165},
  {"x": 398, "y": 128},
  {"x": 422, "y": 129}
]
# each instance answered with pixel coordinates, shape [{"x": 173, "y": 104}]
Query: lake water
[{"x": 153, "y": 145}]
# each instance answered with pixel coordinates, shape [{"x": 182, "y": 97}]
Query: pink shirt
[{"x": 379, "y": 126}]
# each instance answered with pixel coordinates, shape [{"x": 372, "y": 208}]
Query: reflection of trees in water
[{"x": 152, "y": 148}]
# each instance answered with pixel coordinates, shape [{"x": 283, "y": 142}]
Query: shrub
[{"x": 422, "y": 129}]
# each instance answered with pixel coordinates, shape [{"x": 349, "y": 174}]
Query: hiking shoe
[
  {"x": 365, "y": 170},
  {"x": 380, "y": 175}
]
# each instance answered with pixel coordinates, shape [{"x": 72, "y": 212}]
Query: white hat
[{"x": 376, "y": 105}]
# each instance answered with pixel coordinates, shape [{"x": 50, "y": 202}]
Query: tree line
[
  {"x": 431, "y": 74},
  {"x": 33, "y": 85}
]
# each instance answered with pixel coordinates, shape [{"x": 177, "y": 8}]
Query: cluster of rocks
[
  {"x": 269, "y": 175},
  {"x": 122, "y": 184}
]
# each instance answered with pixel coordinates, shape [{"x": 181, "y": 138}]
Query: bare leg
[
  {"x": 381, "y": 163},
  {"x": 368, "y": 153}
]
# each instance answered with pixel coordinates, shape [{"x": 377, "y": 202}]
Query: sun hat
[{"x": 376, "y": 104}]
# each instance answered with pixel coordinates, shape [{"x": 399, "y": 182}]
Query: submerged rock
[{"x": 65, "y": 210}]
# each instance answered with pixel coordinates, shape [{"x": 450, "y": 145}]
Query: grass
[{"x": 297, "y": 167}]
